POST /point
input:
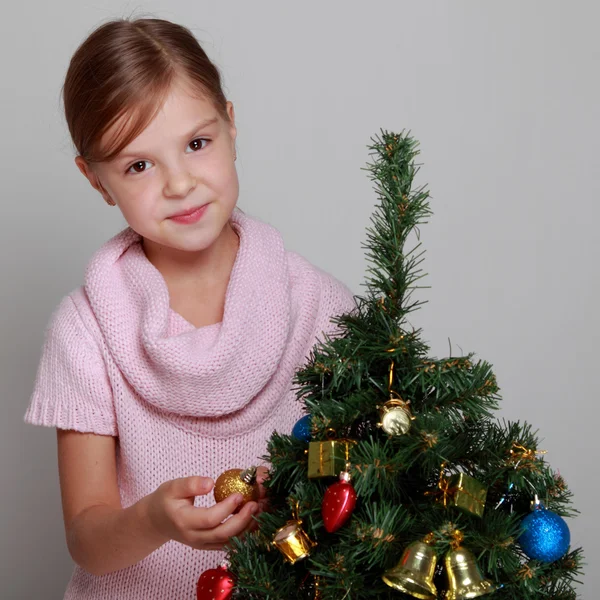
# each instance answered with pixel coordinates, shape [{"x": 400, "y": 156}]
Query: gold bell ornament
[
  {"x": 237, "y": 481},
  {"x": 414, "y": 572},
  {"x": 292, "y": 541},
  {"x": 394, "y": 415},
  {"x": 464, "y": 577}
]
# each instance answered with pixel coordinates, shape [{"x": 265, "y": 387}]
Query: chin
[{"x": 192, "y": 243}]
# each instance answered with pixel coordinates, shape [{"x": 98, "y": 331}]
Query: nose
[{"x": 179, "y": 183}]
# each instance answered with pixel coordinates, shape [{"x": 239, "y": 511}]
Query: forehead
[{"x": 169, "y": 115}]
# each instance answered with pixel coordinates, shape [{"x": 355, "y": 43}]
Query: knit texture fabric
[{"x": 117, "y": 360}]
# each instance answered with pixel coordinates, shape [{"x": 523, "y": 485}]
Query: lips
[{"x": 185, "y": 213}]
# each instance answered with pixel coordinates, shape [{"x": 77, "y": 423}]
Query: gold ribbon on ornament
[
  {"x": 457, "y": 539},
  {"x": 444, "y": 491},
  {"x": 443, "y": 487},
  {"x": 522, "y": 457}
]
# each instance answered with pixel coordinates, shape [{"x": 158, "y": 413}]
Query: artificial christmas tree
[{"x": 443, "y": 490}]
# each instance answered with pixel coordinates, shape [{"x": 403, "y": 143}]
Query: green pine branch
[{"x": 402, "y": 480}]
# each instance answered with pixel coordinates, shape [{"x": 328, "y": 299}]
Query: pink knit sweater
[{"x": 117, "y": 360}]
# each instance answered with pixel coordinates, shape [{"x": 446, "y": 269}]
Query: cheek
[
  {"x": 137, "y": 203},
  {"x": 229, "y": 183}
]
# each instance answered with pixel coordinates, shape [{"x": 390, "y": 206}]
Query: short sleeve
[{"x": 72, "y": 389}]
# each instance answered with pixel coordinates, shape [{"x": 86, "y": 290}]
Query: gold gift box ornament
[
  {"x": 464, "y": 492},
  {"x": 328, "y": 458}
]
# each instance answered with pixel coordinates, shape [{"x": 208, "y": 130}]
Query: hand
[
  {"x": 172, "y": 514},
  {"x": 262, "y": 474}
]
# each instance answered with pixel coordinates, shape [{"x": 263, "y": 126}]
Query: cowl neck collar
[{"x": 202, "y": 372}]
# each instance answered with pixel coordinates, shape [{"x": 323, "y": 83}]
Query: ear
[
  {"x": 92, "y": 177},
  {"x": 232, "y": 127}
]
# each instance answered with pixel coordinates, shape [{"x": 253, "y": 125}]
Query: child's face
[{"x": 168, "y": 169}]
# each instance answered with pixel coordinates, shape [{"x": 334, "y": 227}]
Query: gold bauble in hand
[{"x": 237, "y": 481}]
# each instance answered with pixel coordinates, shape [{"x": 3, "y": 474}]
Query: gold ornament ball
[{"x": 237, "y": 481}]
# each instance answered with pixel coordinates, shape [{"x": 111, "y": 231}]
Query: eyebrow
[{"x": 197, "y": 127}]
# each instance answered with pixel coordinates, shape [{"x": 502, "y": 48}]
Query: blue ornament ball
[
  {"x": 301, "y": 429},
  {"x": 546, "y": 536}
]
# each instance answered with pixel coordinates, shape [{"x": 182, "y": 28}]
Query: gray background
[{"x": 504, "y": 99}]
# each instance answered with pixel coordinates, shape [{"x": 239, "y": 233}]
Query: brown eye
[
  {"x": 195, "y": 144},
  {"x": 138, "y": 164}
]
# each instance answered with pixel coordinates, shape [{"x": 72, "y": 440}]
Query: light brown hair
[{"x": 126, "y": 67}]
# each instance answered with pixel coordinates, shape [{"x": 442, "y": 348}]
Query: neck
[{"x": 206, "y": 267}]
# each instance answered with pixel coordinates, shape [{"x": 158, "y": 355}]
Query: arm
[{"x": 103, "y": 537}]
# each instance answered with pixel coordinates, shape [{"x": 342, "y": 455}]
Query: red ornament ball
[
  {"x": 215, "y": 584},
  {"x": 338, "y": 503}
]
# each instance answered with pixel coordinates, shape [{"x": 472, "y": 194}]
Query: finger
[
  {"x": 188, "y": 487},
  {"x": 262, "y": 492},
  {"x": 262, "y": 474},
  {"x": 234, "y": 526},
  {"x": 253, "y": 526},
  {"x": 209, "y": 546},
  {"x": 209, "y": 518},
  {"x": 244, "y": 519},
  {"x": 263, "y": 505}
]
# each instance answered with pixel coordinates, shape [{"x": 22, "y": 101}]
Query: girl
[{"x": 173, "y": 362}]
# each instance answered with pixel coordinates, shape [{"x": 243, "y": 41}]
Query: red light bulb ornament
[
  {"x": 215, "y": 584},
  {"x": 338, "y": 502}
]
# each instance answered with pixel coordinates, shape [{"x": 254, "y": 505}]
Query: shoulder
[
  {"x": 332, "y": 297},
  {"x": 312, "y": 288},
  {"x": 331, "y": 288},
  {"x": 73, "y": 322},
  {"x": 72, "y": 387}
]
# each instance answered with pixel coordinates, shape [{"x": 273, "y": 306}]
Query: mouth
[
  {"x": 190, "y": 215},
  {"x": 187, "y": 212}
]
